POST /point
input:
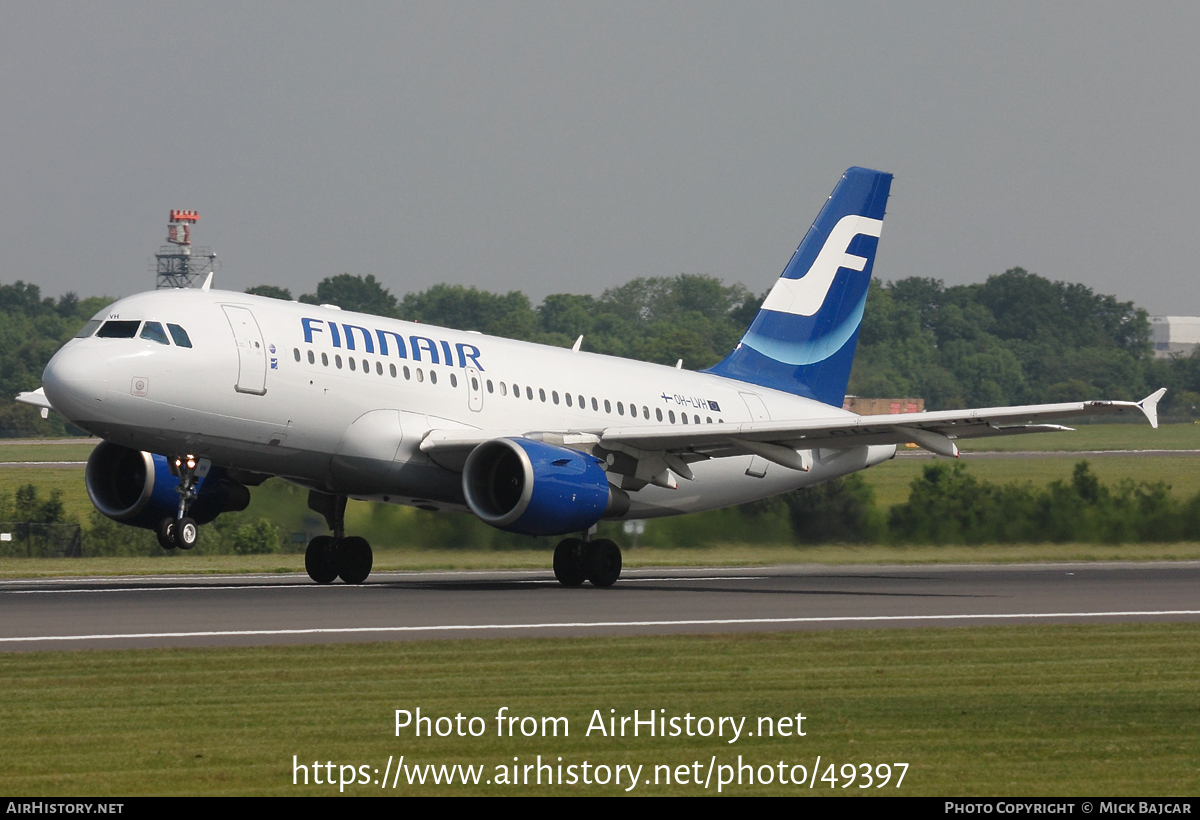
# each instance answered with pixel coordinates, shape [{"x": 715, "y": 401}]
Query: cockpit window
[
  {"x": 118, "y": 330},
  {"x": 88, "y": 329},
  {"x": 179, "y": 335},
  {"x": 154, "y": 332}
]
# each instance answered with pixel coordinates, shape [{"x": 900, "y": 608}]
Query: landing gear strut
[
  {"x": 327, "y": 558},
  {"x": 577, "y": 560},
  {"x": 181, "y": 531}
]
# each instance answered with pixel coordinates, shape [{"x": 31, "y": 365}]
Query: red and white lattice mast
[{"x": 179, "y": 265}]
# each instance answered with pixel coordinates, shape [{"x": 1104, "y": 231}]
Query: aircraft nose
[{"x": 75, "y": 381}]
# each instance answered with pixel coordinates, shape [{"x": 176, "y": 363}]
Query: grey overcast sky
[{"x": 570, "y": 147}]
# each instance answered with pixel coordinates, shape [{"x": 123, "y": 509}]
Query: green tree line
[{"x": 1016, "y": 338}]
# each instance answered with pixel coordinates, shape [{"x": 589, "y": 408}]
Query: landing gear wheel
[
  {"x": 166, "y": 533},
  {"x": 602, "y": 563},
  {"x": 319, "y": 560},
  {"x": 186, "y": 533},
  {"x": 568, "y": 562},
  {"x": 353, "y": 559}
]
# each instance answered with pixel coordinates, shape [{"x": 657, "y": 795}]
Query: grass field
[
  {"x": 46, "y": 449},
  {"x": 1046, "y": 710},
  {"x": 286, "y": 505},
  {"x": 891, "y": 480},
  {"x": 1138, "y": 436}
]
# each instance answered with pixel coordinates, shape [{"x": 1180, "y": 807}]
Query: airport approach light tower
[{"x": 179, "y": 265}]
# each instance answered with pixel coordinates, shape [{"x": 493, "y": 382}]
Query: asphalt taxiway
[{"x": 111, "y": 613}]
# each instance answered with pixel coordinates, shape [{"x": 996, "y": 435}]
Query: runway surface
[{"x": 111, "y": 613}]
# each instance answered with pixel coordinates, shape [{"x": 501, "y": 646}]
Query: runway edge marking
[{"x": 596, "y": 624}]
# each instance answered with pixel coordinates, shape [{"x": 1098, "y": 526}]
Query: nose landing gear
[{"x": 181, "y": 531}]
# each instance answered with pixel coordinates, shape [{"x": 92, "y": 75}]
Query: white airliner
[{"x": 199, "y": 394}]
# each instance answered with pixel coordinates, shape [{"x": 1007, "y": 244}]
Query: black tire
[
  {"x": 187, "y": 533},
  {"x": 166, "y": 533},
  {"x": 568, "y": 562},
  {"x": 318, "y": 560},
  {"x": 602, "y": 563},
  {"x": 353, "y": 559}
]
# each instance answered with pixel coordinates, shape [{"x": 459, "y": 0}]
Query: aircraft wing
[
  {"x": 790, "y": 443},
  {"x": 935, "y": 431}
]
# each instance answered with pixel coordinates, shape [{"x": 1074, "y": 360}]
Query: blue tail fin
[{"x": 802, "y": 340}]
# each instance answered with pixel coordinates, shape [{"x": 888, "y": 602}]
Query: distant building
[
  {"x": 1172, "y": 335},
  {"x": 882, "y": 407}
]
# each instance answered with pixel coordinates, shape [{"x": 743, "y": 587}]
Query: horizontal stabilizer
[
  {"x": 38, "y": 399},
  {"x": 1149, "y": 406}
]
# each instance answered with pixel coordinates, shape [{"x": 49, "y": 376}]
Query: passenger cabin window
[
  {"x": 88, "y": 329},
  {"x": 179, "y": 335},
  {"x": 118, "y": 330}
]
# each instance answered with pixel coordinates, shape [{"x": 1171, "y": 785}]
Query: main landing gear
[
  {"x": 577, "y": 560},
  {"x": 347, "y": 558},
  {"x": 336, "y": 556},
  {"x": 180, "y": 530}
]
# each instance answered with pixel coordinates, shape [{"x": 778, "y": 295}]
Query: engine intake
[
  {"x": 138, "y": 489},
  {"x": 530, "y": 487}
]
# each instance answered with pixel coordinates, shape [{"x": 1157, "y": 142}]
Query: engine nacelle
[
  {"x": 138, "y": 488},
  {"x": 534, "y": 488}
]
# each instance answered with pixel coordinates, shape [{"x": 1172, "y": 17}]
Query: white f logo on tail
[{"x": 804, "y": 296}]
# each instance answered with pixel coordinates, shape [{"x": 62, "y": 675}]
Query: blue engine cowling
[
  {"x": 138, "y": 489},
  {"x": 530, "y": 487}
]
